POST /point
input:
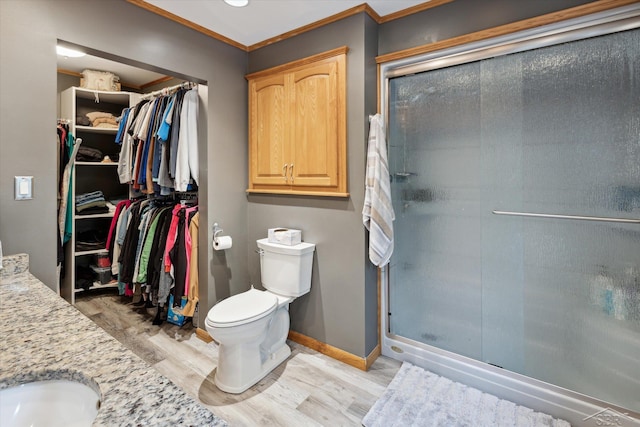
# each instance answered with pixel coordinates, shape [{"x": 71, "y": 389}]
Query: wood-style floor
[{"x": 308, "y": 389}]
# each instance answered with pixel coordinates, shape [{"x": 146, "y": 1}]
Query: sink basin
[{"x": 49, "y": 403}]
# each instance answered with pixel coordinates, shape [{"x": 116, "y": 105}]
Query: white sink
[{"x": 49, "y": 403}]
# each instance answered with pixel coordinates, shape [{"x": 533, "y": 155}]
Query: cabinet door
[
  {"x": 316, "y": 132},
  {"x": 268, "y": 128}
]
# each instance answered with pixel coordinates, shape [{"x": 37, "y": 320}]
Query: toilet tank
[{"x": 286, "y": 270}]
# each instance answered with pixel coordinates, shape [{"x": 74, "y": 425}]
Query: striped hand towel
[{"x": 377, "y": 212}]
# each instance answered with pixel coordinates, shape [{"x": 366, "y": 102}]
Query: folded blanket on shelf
[
  {"x": 93, "y": 195},
  {"x": 90, "y": 200},
  {"x": 98, "y": 115}
]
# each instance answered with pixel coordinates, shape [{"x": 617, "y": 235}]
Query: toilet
[{"x": 252, "y": 327}]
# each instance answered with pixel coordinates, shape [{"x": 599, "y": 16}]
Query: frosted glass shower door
[
  {"x": 555, "y": 131},
  {"x": 434, "y": 154}
]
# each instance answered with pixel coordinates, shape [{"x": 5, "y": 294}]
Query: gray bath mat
[{"x": 416, "y": 397}]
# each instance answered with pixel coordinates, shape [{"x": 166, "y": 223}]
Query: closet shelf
[
  {"x": 98, "y": 285},
  {"x": 101, "y": 215},
  {"x": 102, "y": 95},
  {"x": 92, "y": 252},
  {"x": 91, "y": 129},
  {"x": 96, "y": 163}
]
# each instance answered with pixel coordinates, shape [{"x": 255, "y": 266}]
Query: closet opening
[{"x": 129, "y": 138}]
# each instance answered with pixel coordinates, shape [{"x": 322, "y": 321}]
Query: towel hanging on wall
[{"x": 377, "y": 212}]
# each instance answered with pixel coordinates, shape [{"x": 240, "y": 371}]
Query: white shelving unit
[{"x": 91, "y": 176}]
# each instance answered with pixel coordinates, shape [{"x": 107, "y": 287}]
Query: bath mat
[{"x": 416, "y": 397}]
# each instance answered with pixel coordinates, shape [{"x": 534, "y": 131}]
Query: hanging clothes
[
  {"x": 129, "y": 245},
  {"x": 152, "y": 242},
  {"x": 111, "y": 237},
  {"x": 125, "y": 139},
  {"x": 61, "y": 137},
  {"x": 65, "y": 210},
  {"x": 159, "y": 282},
  {"x": 178, "y": 256},
  {"x": 187, "y": 151},
  {"x": 193, "y": 282},
  {"x": 159, "y": 143},
  {"x": 155, "y": 248}
]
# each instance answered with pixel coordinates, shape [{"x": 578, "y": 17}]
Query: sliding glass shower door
[{"x": 474, "y": 150}]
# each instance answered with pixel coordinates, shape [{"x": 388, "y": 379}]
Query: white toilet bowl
[{"x": 252, "y": 327}]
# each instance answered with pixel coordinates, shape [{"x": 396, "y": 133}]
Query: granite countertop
[{"x": 45, "y": 338}]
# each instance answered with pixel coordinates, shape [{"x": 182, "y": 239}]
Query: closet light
[
  {"x": 237, "y": 3},
  {"x": 70, "y": 53}
]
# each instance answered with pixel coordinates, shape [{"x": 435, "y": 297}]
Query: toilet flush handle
[{"x": 260, "y": 251}]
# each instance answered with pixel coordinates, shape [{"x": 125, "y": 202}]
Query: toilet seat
[{"x": 242, "y": 308}]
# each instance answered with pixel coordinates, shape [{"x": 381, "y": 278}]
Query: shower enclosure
[{"x": 516, "y": 185}]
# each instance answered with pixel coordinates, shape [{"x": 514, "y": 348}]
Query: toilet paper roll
[{"x": 222, "y": 243}]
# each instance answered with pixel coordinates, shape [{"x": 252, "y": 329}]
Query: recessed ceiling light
[
  {"x": 69, "y": 53},
  {"x": 237, "y": 3}
]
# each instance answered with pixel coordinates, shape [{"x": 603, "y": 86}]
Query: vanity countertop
[{"x": 45, "y": 338}]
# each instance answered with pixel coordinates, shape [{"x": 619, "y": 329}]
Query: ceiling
[
  {"x": 259, "y": 21},
  {"x": 264, "y": 19}
]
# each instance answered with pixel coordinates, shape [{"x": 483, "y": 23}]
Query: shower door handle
[{"x": 577, "y": 217}]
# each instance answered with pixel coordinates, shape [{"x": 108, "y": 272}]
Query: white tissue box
[{"x": 285, "y": 236}]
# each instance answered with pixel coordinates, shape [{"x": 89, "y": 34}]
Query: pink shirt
[{"x": 171, "y": 237}]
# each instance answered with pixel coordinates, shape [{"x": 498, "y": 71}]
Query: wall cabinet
[
  {"x": 86, "y": 246},
  {"x": 297, "y": 127}
]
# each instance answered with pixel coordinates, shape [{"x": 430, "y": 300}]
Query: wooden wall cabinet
[{"x": 297, "y": 127}]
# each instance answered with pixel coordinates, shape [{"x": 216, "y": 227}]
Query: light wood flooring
[{"x": 308, "y": 389}]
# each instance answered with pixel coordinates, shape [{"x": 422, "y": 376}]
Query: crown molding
[
  {"x": 364, "y": 7},
  {"x": 199, "y": 28}
]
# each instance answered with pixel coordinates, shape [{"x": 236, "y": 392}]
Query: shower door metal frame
[{"x": 541, "y": 396}]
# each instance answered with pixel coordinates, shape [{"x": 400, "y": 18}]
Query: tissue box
[
  {"x": 284, "y": 236},
  {"x": 173, "y": 316}
]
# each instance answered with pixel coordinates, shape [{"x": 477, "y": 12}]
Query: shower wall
[{"x": 553, "y": 130}]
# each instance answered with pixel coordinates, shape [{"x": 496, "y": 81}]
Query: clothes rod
[
  {"x": 167, "y": 90},
  {"x": 578, "y": 217}
]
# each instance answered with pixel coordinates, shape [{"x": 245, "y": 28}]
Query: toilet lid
[{"x": 242, "y": 308}]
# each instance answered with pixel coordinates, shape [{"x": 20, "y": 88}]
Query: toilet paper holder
[{"x": 216, "y": 231}]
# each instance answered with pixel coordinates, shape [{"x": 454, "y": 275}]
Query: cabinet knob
[
  {"x": 284, "y": 172},
  {"x": 291, "y": 172}
]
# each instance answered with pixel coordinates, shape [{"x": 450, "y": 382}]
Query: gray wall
[
  {"x": 334, "y": 311},
  {"x": 28, "y": 35},
  {"x": 341, "y": 308}
]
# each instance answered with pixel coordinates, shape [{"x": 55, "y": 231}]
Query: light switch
[{"x": 24, "y": 187}]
